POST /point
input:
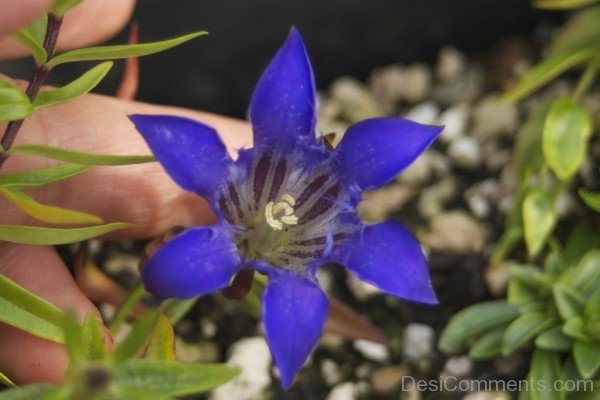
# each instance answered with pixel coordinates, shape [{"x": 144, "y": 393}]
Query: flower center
[{"x": 281, "y": 213}]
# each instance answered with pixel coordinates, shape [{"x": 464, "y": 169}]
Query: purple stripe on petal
[
  {"x": 321, "y": 206},
  {"x": 311, "y": 189},
  {"x": 278, "y": 178},
  {"x": 261, "y": 171}
]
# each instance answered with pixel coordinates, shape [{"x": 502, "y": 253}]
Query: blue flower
[{"x": 287, "y": 206}]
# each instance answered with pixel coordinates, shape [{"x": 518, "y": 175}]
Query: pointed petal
[
  {"x": 374, "y": 151},
  {"x": 389, "y": 257},
  {"x": 282, "y": 109},
  {"x": 294, "y": 311},
  {"x": 195, "y": 262},
  {"x": 192, "y": 153}
]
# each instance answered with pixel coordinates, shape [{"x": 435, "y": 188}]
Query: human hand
[{"x": 141, "y": 194}]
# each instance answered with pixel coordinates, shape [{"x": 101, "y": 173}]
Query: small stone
[
  {"x": 458, "y": 367},
  {"x": 378, "y": 204},
  {"x": 497, "y": 276},
  {"x": 122, "y": 262},
  {"x": 387, "y": 379},
  {"x": 488, "y": 396},
  {"x": 325, "y": 279},
  {"x": 204, "y": 351},
  {"x": 424, "y": 113},
  {"x": 417, "y": 84},
  {"x": 355, "y": 99},
  {"x": 371, "y": 350},
  {"x": 410, "y": 391},
  {"x": 478, "y": 197},
  {"x": 457, "y": 232},
  {"x": 467, "y": 87},
  {"x": 208, "y": 328},
  {"x": 361, "y": 290},
  {"x": 388, "y": 83},
  {"x": 451, "y": 65},
  {"x": 466, "y": 153},
  {"x": 432, "y": 199},
  {"x": 492, "y": 117},
  {"x": 418, "y": 344},
  {"x": 348, "y": 391},
  {"x": 455, "y": 121},
  {"x": 331, "y": 372},
  {"x": 364, "y": 370},
  {"x": 419, "y": 172},
  {"x": 332, "y": 342},
  {"x": 253, "y": 357}
]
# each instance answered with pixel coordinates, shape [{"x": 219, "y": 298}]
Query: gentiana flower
[{"x": 287, "y": 206}]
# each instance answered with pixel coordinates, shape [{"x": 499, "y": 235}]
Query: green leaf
[
  {"x": 46, "y": 213},
  {"x": 592, "y": 305},
  {"x": 42, "y": 177},
  {"x": 554, "y": 340},
  {"x": 475, "y": 320},
  {"x": 567, "y": 130},
  {"x": 586, "y": 275},
  {"x": 29, "y": 392},
  {"x": 37, "y": 29},
  {"x": 120, "y": 51},
  {"x": 172, "y": 378},
  {"x": 561, "y": 4},
  {"x": 76, "y": 157},
  {"x": 523, "y": 329},
  {"x": 583, "y": 238},
  {"x": 587, "y": 358},
  {"x": 519, "y": 294},
  {"x": 176, "y": 309},
  {"x": 528, "y": 156},
  {"x": 92, "y": 336},
  {"x": 592, "y": 199},
  {"x": 51, "y": 236},
  {"x": 546, "y": 71},
  {"x": 6, "y": 84},
  {"x": 61, "y": 7},
  {"x": 488, "y": 345},
  {"x": 14, "y": 104},
  {"x": 25, "y": 37},
  {"x": 574, "y": 328},
  {"x": 579, "y": 33},
  {"x": 28, "y": 312},
  {"x": 162, "y": 341},
  {"x": 531, "y": 277},
  {"x": 539, "y": 219},
  {"x": 73, "y": 341},
  {"x": 568, "y": 302},
  {"x": 544, "y": 372},
  {"x": 76, "y": 88},
  {"x": 4, "y": 380},
  {"x": 138, "y": 337}
]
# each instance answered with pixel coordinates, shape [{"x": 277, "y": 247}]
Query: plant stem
[
  {"x": 587, "y": 79},
  {"x": 39, "y": 75}
]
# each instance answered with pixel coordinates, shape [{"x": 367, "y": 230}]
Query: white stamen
[{"x": 280, "y": 213}]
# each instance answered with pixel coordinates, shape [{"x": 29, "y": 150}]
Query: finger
[
  {"x": 17, "y": 14},
  {"x": 141, "y": 194},
  {"x": 94, "y": 21},
  {"x": 23, "y": 357}
]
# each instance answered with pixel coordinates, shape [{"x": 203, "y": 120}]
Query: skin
[{"x": 141, "y": 194}]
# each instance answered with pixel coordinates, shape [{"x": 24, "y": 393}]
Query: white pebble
[{"x": 371, "y": 350}]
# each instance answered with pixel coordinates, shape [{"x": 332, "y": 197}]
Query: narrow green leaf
[
  {"x": 585, "y": 277},
  {"x": 37, "y": 29},
  {"x": 162, "y": 341},
  {"x": 25, "y": 37},
  {"x": 531, "y": 277},
  {"x": 77, "y": 157},
  {"x": 92, "y": 337},
  {"x": 592, "y": 199},
  {"x": 567, "y": 130},
  {"x": 29, "y": 392},
  {"x": 50, "y": 236},
  {"x": 528, "y": 156},
  {"x": 475, "y": 320},
  {"x": 546, "y": 71},
  {"x": 61, "y": 7},
  {"x": 42, "y": 177},
  {"x": 592, "y": 306},
  {"x": 488, "y": 345},
  {"x": 568, "y": 302},
  {"x": 14, "y": 104},
  {"x": 120, "y": 51},
  {"x": 583, "y": 238},
  {"x": 519, "y": 294},
  {"x": 561, "y": 4},
  {"x": 80, "y": 86},
  {"x": 176, "y": 309},
  {"x": 539, "y": 219},
  {"x": 554, "y": 340},
  {"x": 574, "y": 328},
  {"x": 28, "y": 312},
  {"x": 544, "y": 372},
  {"x": 4, "y": 84},
  {"x": 73, "y": 341},
  {"x": 579, "y": 33},
  {"x": 587, "y": 358},
  {"x": 523, "y": 329},
  {"x": 138, "y": 337},
  {"x": 46, "y": 213},
  {"x": 4, "y": 380},
  {"x": 172, "y": 378}
]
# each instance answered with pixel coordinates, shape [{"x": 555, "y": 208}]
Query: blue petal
[
  {"x": 374, "y": 151},
  {"x": 282, "y": 109},
  {"x": 389, "y": 257},
  {"x": 294, "y": 311},
  {"x": 192, "y": 153},
  {"x": 197, "y": 261}
]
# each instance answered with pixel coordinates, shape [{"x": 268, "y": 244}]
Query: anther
[{"x": 280, "y": 213}]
